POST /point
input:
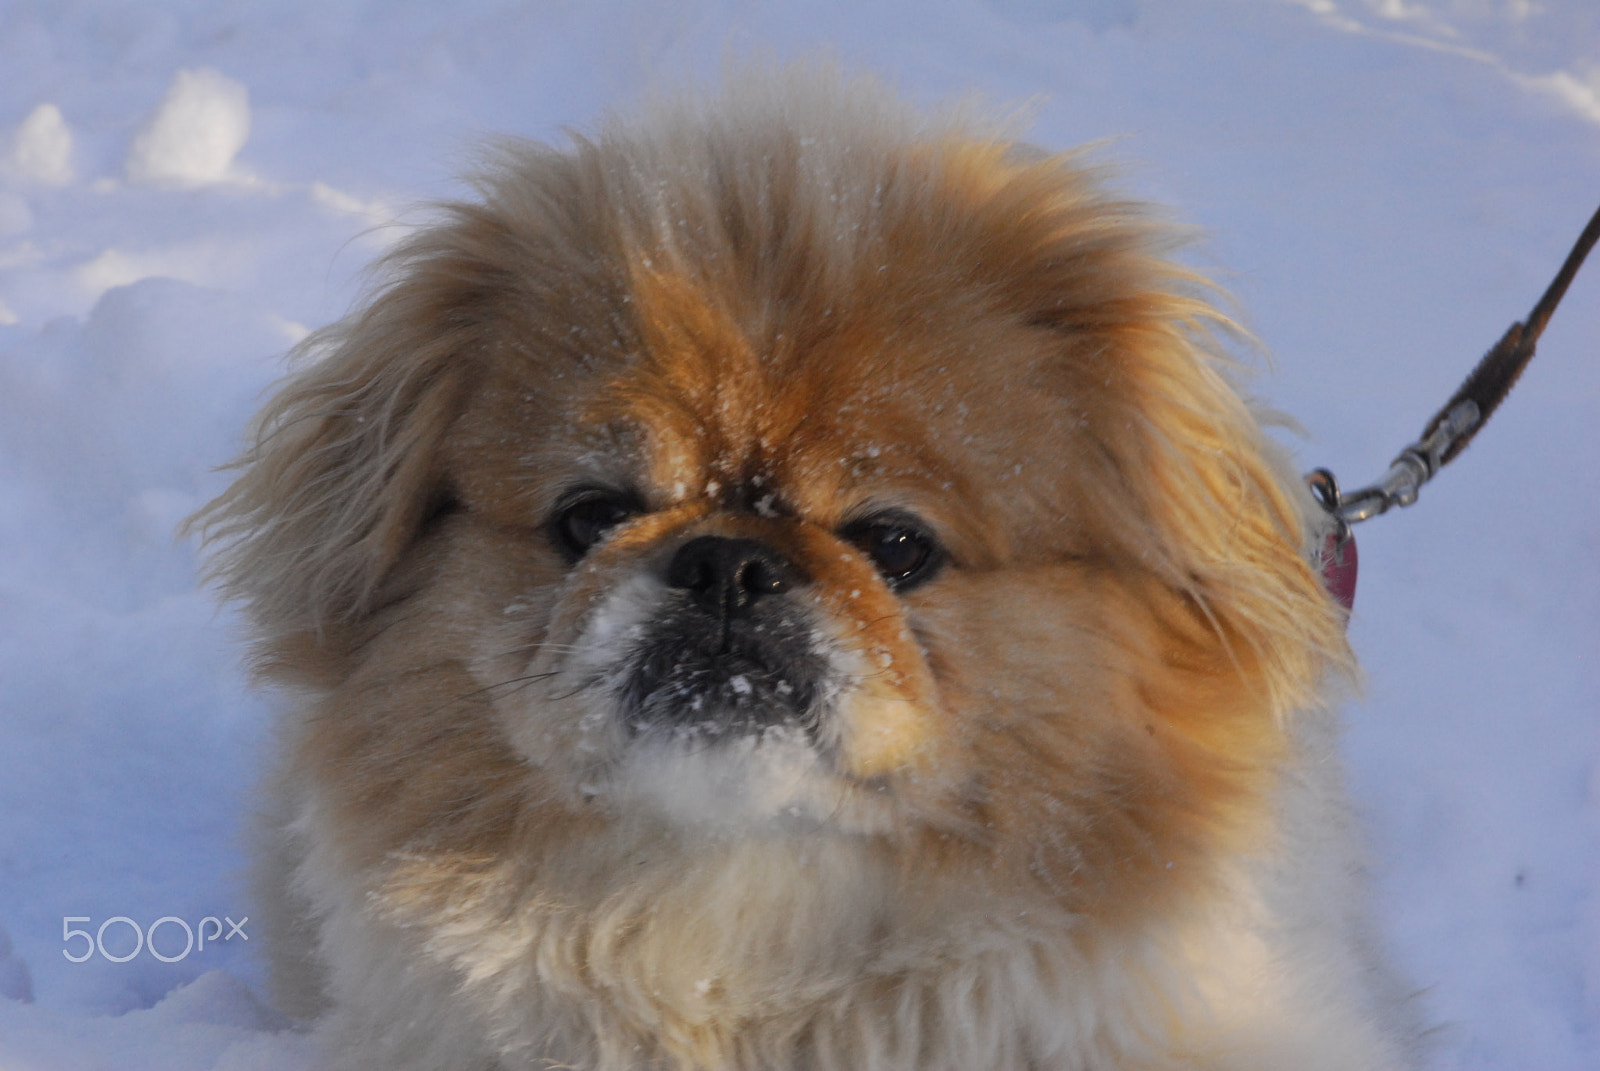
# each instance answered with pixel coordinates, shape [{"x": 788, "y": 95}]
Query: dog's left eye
[
  {"x": 902, "y": 549},
  {"x": 582, "y": 518}
]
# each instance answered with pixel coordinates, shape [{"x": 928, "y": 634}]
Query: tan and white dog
[{"x": 788, "y": 584}]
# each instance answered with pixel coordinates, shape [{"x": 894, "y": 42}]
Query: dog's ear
[
  {"x": 345, "y": 466},
  {"x": 1234, "y": 529},
  {"x": 1184, "y": 477}
]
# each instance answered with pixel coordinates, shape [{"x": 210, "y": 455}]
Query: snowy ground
[{"x": 186, "y": 187}]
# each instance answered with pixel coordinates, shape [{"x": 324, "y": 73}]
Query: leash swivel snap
[{"x": 1414, "y": 466}]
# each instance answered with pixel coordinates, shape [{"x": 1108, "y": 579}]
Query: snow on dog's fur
[{"x": 786, "y": 583}]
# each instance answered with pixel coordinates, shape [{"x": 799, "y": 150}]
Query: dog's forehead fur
[{"x": 783, "y": 335}]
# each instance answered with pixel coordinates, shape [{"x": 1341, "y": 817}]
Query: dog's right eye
[
  {"x": 900, "y": 546},
  {"x": 582, "y": 519}
]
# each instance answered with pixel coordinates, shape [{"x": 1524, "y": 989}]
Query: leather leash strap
[{"x": 1497, "y": 372}]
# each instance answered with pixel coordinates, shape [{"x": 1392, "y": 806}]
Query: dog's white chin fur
[{"x": 774, "y": 779}]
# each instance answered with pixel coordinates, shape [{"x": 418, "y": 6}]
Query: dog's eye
[
  {"x": 582, "y": 518},
  {"x": 904, "y": 552}
]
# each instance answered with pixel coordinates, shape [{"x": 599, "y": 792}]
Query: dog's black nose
[{"x": 726, "y": 576}]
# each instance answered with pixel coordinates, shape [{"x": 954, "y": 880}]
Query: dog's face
[
  {"x": 750, "y": 482},
  {"x": 773, "y": 572}
]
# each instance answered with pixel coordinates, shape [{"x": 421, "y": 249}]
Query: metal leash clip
[{"x": 1415, "y": 466}]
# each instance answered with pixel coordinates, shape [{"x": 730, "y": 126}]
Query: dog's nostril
[{"x": 725, "y": 576}]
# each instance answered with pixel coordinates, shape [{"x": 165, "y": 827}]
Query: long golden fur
[{"x": 1069, "y": 801}]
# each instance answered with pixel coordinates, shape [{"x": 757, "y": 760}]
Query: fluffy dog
[{"x": 787, "y": 584}]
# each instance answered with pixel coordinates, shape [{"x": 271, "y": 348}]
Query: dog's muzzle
[{"x": 731, "y": 653}]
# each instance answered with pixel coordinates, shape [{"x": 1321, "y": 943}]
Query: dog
[{"x": 790, "y": 582}]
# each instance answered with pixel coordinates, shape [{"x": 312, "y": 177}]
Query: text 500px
[{"x": 125, "y": 931}]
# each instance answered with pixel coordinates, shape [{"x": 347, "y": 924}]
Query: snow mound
[
  {"x": 41, "y": 149},
  {"x": 212, "y": 1024},
  {"x": 199, "y": 127}
]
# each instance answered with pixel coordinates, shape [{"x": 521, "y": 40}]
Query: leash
[{"x": 1444, "y": 436}]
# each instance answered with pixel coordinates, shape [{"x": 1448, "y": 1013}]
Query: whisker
[
  {"x": 514, "y": 682},
  {"x": 582, "y": 686}
]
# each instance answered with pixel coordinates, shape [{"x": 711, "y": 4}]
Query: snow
[
  {"x": 213, "y": 1024},
  {"x": 1385, "y": 185},
  {"x": 199, "y": 127},
  {"x": 41, "y": 152}
]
